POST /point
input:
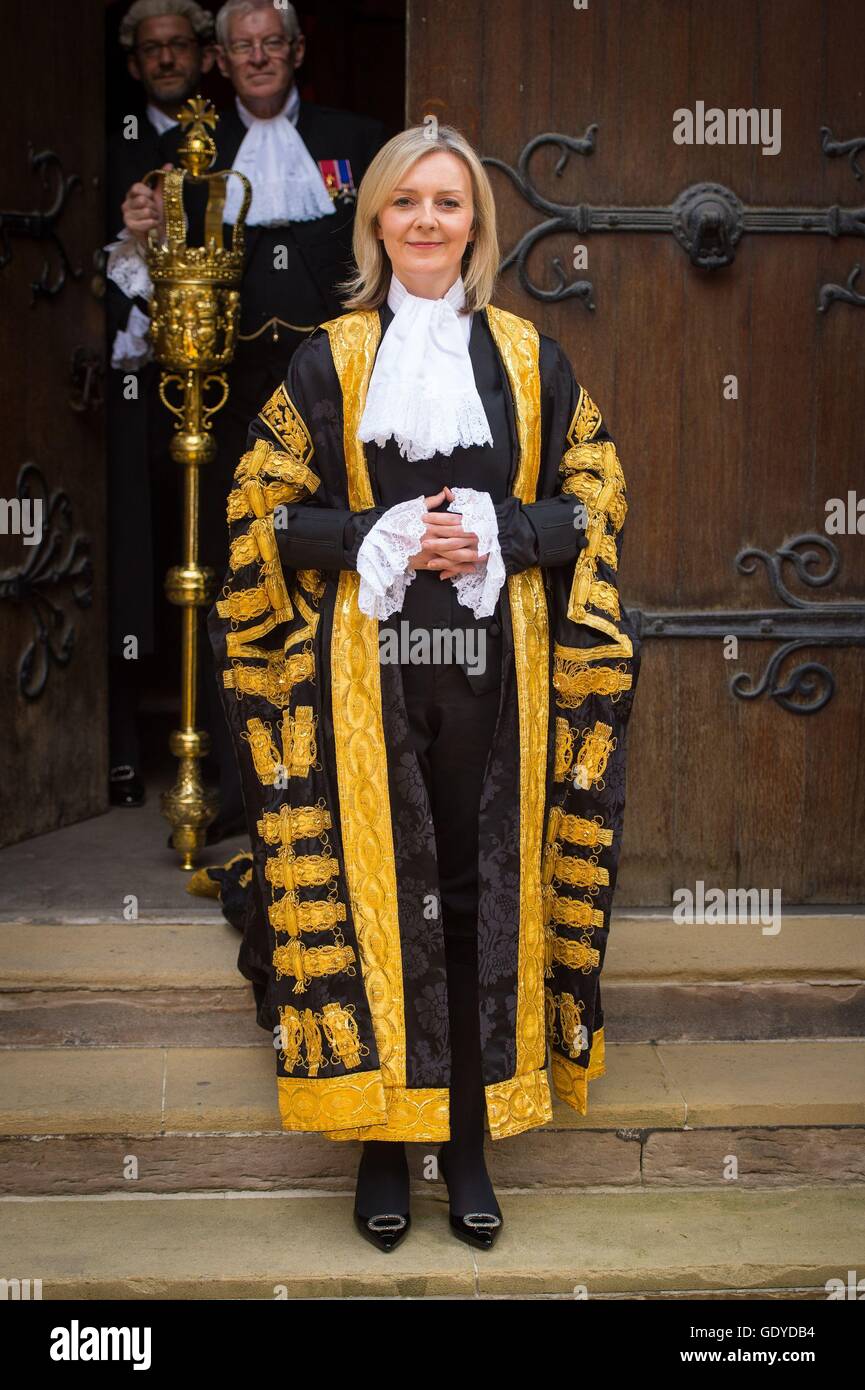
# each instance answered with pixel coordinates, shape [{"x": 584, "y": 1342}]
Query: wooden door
[
  {"x": 52, "y": 591},
  {"x": 736, "y": 792}
]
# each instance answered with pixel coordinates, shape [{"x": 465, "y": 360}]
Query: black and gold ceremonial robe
[{"x": 340, "y": 940}]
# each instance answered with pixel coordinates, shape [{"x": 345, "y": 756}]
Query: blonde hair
[{"x": 368, "y": 287}]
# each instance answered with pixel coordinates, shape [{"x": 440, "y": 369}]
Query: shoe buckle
[
  {"x": 386, "y": 1221},
  {"x": 482, "y": 1220}
]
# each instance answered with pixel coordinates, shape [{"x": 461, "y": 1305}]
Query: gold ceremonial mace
[{"x": 193, "y": 325}]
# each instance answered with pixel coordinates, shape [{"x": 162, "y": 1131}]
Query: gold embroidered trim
[
  {"x": 564, "y": 752},
  {"x": 570, "y": 1080},
  {"x": 577, "y": 830},
  {"x": 584, "y": 655},
  {"x": 305, "y": 963},
  {"x": 264, "y": 459},
  {"x": 576, "y": 955},
  {"x": 599, "y": 496},
  {"x": 586, "y": 421},
  {"x": 285, "y": 421},
  {"x": 572, "y": 869},
  {"x": 572, "y": 1033},
  {"x": 518, "y": 343},
  {"x": 298, "y": 1028},
  {"x": 587, "y": 590},
  {"x": 606, "y": 551},
  {"x": 237, "y": 644},
  {"x": 595, "y": 749},
  {"x": 256, "y": 545},
  {"x": 520, "y": 1103},
  {"x": 273, "y": 682},
  {"x": 288, "y": 915},
  {"x": 568, "y": 912},
  {"x": 593, "y": 472},
  {"x": 285, "y": 869},
  {"x": 243, "y": 605},
  {"x": 573, "y": 680},
  {"x": 253, "y": 499},
  {"x": 341, "y": 1102},
  {"x": 360, "y": 751},
  {"x": 265, "y": 754},
  {"x": 298, "y": 741},
  {"x": 308, "y": 631},
  {"x": 312, "y": 581},
  {"x": 341, "y": 1032},
  {"x": 291, "y": 823}
]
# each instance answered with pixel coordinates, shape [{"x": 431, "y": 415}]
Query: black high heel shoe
[
  {"x": 385, "y": 1230},
  {"x": 478, "y": 1228}
]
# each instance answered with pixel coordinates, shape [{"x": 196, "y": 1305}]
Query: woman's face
[{"x": 426, "y": 223}]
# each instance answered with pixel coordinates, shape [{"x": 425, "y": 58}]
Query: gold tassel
[
  {"x": 564, "y": 754},
  {"x": 340, "y": 1029},
  {"x": 265, "y": 755},
  {"x": 290, "y": 1035},
  {"x": 595, "y": 749},
  {"x": 571, "y": 1013},
  {"x": 298, "y": 740},
  {"x": 312, "y": 1039}
]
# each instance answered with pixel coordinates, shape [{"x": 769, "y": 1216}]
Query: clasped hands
[{"x": 446, "y": 547}]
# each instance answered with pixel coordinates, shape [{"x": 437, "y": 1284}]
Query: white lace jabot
[
  {"x": 287, "y": 185},
  {"x": 422, "y": 391}
]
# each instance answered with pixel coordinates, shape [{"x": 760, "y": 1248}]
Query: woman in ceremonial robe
[{"x": 435, "y": 843}]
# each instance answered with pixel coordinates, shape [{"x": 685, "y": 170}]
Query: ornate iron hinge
[
  {"x": 707, "y": 219},
  {"x": 801, "y": 624},
  {"x": 59, "y": 561},
  {"x": 42, "y": 225}
]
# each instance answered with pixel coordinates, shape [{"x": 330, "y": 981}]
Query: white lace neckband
[
  {"x": 287, "y": 184},
  {"x": 422, "y": 391}
]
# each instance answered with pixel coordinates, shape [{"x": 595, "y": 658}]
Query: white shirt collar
[
  {"x": 455, "y": 296},
  {"x": 159, "y": 120},
  {"x": 290, "y": 108}
]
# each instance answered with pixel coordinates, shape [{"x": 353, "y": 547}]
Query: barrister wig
[
  {"x": 200, "y": 20},
  {"x": 368, "y": 288}
]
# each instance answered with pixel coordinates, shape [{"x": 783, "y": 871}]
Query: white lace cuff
[
  {"x": 127, "y": 266},
  {"x": 131, "y": 347},
  {"x": 479, "y": 591},
  {"x": 382, "y": 560}
]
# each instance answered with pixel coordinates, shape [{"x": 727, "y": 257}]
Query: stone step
[
  {"x": 783, "y": 1244},
  {"x": 157, "y": 984},
  {"x": 666, "y": 1115}
]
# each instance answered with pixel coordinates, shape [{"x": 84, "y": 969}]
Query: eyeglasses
[
  {"x": 274, "y": 46},
  {"x": 178, "y": 48}
]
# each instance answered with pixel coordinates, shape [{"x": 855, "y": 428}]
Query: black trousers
[{"x": 452, "y": 730}]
